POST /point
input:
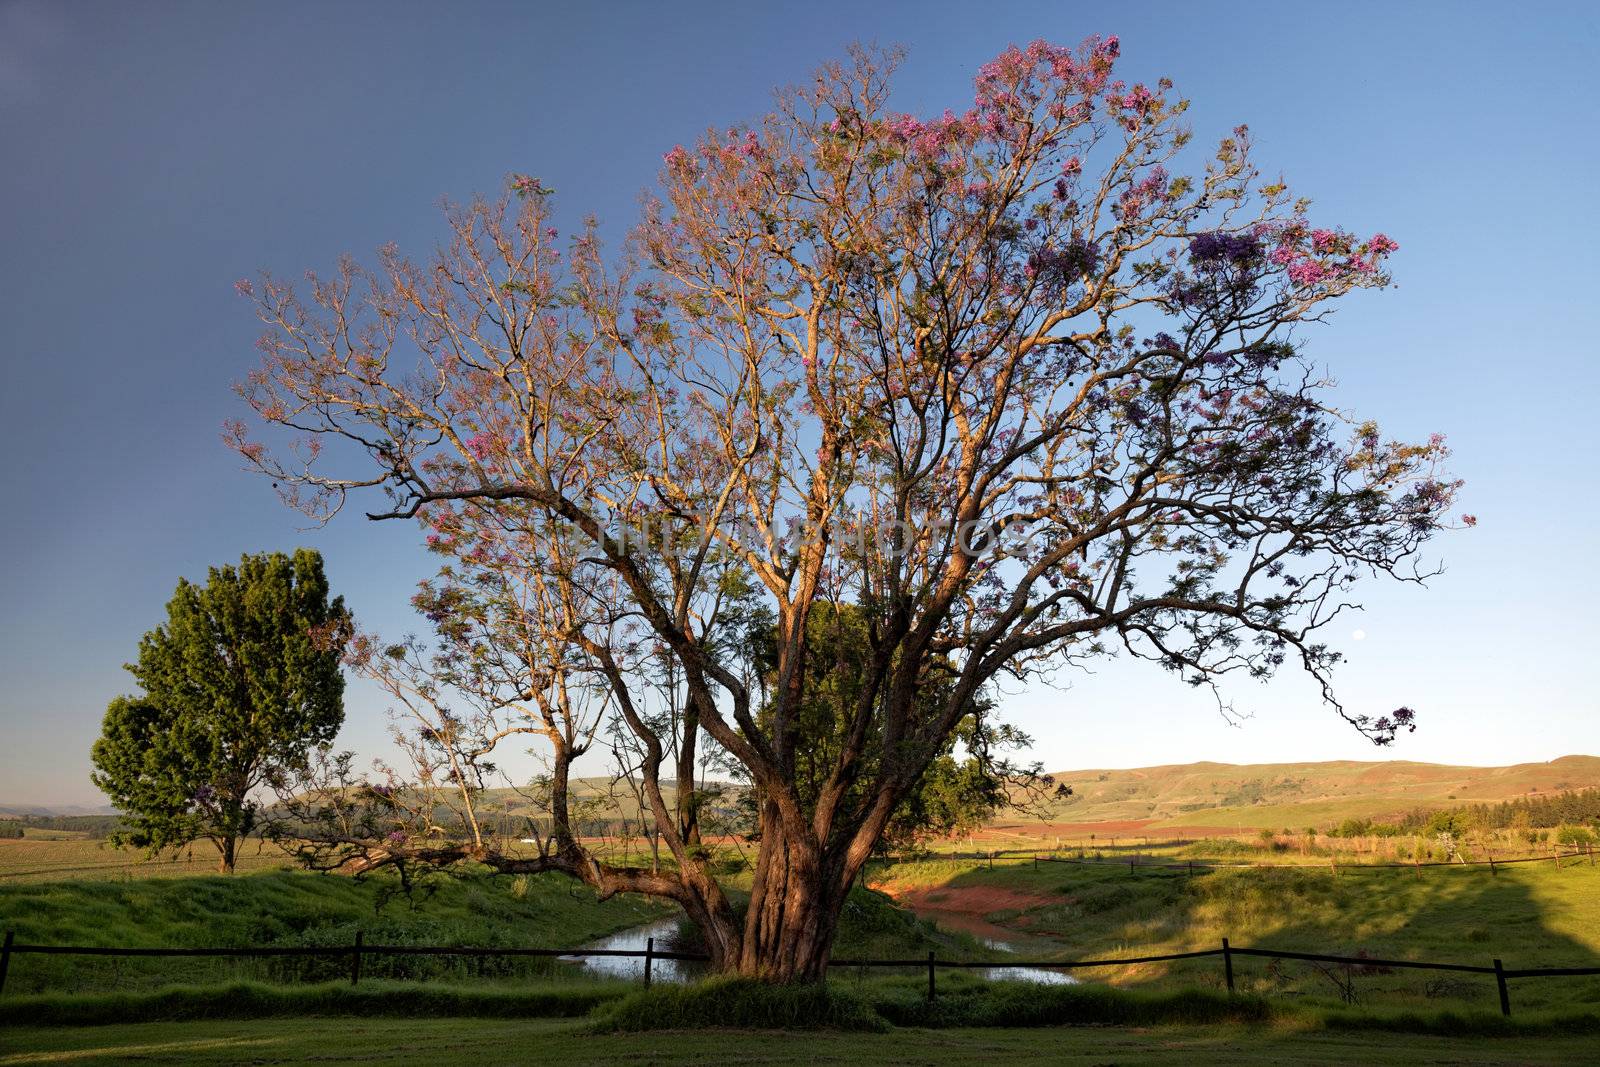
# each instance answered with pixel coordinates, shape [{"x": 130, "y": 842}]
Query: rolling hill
[{"x": 1295, "y": 795}]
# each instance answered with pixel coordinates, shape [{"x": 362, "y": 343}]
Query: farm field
[
  {"x": 439, "y": 1042},
  {"x": 1530, "y": 915},
  {"x": 1199, "y": 798},
  {"x": 55, "y": 857}
]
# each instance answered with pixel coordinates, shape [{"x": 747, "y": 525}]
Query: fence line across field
[
  {"x": 358, "y": 950},
  {"x": 1134, "y": 859},
  {"x": 1050, "y": 855}
]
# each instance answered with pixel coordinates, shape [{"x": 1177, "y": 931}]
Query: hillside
[{"x": 1277, "y": 795}]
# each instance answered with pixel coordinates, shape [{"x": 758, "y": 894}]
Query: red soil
[
  {"x": 1125, "y": 831},
  {"x": 965, "y": 907}
]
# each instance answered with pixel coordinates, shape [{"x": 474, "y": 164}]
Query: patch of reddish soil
[
  {"x": 965, "y": 907},
  {"x": 1077, "y": 834}
]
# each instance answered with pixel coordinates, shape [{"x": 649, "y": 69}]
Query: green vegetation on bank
[
  {"x": 290, "y": 908},
  {"x": 1531, "y": 916}
]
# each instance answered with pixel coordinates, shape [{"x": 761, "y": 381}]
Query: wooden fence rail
[
  {"x": 359, "y": 950},
  {"x": 1137, "y": 860}
]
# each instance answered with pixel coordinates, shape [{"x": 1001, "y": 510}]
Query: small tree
[{"x": 241, "y": 682}]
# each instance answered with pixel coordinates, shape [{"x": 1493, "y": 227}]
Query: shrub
[
  {"x": 1013, "y": 1004},
  {"x": 739, "y": 1003},
  {"x": 250, "y": 1000}
]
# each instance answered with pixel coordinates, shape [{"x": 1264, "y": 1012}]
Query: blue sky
[{"x": 154, "y": 154}]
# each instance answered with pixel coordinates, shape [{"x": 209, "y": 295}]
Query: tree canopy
[
  {"x": 240, "y": 683},
  {"x": 1021, "y": 383}
]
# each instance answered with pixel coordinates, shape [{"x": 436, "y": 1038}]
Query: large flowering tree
[{"x": 1012, "y": 383}]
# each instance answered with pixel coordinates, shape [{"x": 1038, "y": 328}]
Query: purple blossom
[
  {"x": 1058, "y": 268},
  {"x": 1212, "y": 251}
]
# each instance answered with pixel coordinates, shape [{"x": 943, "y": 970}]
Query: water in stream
[{"x": 634, "y": 940}]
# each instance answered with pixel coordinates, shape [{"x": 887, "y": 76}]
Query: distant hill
[
  {"x": 14, "y": 810},
  {"x": 1297, "y": 795},
  {"x": 1187, "y": 795}
]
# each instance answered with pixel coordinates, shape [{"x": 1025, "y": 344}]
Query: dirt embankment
[{"x": 965, "y": 907}]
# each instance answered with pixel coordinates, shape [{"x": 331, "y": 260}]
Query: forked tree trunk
[{"x": 796, "y": 896}]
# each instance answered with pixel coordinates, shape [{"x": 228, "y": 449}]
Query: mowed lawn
[{"x": 441, "y": 1042}]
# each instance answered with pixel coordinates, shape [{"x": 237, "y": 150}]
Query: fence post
[
  {"x": 930, "y": 976},
  {"x": 355, "y": 960},
  {"x": 649, "y": 956},
  {"x": 5, "y": 958},
  {"x": 1227, "y": 963},
  {"x": 1500, "y": 980}
]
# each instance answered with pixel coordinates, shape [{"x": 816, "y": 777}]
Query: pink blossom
[
  {"x": 1307, "y": 272},
  {"x": 1382, "y": 245}
]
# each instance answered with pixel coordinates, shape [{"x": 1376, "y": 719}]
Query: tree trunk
[
  {"x": 796, "y": 896},
  {"x": 227, "y": 847}
]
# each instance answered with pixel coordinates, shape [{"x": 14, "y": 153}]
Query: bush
[
  {"x": 249, "y": 1000},
  {"x": 739, "y": 1003},
  {"x": 1012, "y": 1004}
]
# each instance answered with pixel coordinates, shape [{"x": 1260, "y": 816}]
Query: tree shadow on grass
[{"x": 1529, "y": 916}]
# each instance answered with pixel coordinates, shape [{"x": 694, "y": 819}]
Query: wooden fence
[
  {"x": 358, "y": 949},
  {"x": 1135, "y": 861}
]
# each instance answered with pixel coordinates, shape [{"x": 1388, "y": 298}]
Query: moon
[{"x": 1359, "y": 635}]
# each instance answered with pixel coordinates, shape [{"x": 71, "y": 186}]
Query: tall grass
[
  {"x": 253, "y": 1000},
  {"x": 293, "y": 909},
  {"x": 740, "y": 1003}
]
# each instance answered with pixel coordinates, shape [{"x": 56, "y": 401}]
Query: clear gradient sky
[{"x": 152, "y": 154}]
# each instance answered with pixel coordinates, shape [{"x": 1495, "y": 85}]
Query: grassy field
[
  {"x": 52, "y": 855},
  {"x": 1530, "y": 916},
  {"x": 291, "y": 908},
  {"x": 281, "y": 908},
  {"x": 437, "y": 1043},
  {"x": 1277, "y": 795}
]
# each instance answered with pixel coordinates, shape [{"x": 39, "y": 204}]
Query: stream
[{"x": 634, "y": 940}]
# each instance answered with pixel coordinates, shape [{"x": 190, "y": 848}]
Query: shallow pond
[{"x": 635, "y": 940}]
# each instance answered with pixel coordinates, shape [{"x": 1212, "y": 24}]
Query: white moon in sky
[{"x": 1360, "y": 635}]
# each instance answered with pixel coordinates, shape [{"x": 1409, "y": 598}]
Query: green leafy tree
[
  {"x": 968, "y": 781},
  {"x": 240, "y": 684}
]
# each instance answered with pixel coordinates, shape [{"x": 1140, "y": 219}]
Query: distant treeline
[
  {"x": 1576, "y": 808},
  {"x": 95, "y": 826}
]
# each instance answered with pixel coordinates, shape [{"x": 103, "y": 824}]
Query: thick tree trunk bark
[
  {"x": 227, "y": 846},
  {"x": 796, "y": 896}
]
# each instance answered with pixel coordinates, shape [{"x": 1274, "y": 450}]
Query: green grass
[
  {"x": 1529, "y": 916},
  {"x": 288, "y": 908},
  {"x": 53, "y": 856},
  {"x": 569, "y": 998},
  {"x": 740, "y": 1003},
  {"x": 444, "y": 1042}
]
